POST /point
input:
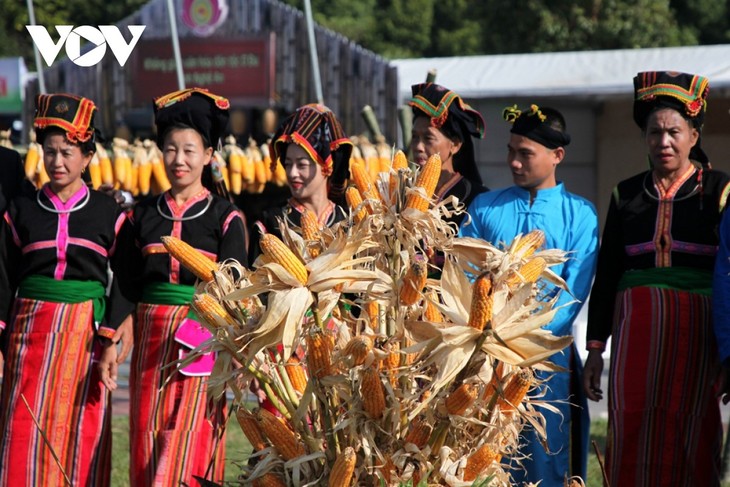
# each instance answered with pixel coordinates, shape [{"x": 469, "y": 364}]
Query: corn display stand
[{"x": 381, "y": 375}]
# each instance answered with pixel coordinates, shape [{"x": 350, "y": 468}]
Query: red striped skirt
[
  {"x": 176, "y": 432},
  {"x": 664, "y": 416},
  {"x": 51, "y": 361}
]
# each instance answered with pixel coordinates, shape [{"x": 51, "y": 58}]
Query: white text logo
[{"x": 71, "y": 37}]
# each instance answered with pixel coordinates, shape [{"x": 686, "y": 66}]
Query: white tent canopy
[{"x": 574, "y": 74}]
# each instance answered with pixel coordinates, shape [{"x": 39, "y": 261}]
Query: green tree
[
  {"x": 456, "y": 29},
  {"x": 707, "y": 20}
]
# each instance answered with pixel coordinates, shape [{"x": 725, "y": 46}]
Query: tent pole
[
  {"x": 38, "y": 63},
  {"x": 313, "y": 52},
  {"x": 175, "y": 46}
]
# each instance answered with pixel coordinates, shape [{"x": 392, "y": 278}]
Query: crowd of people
[{"x": 658, "y": 281}]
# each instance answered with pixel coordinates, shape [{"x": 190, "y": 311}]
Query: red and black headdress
[
  {"x": 70, "y": 113},
  {"x": 196, "y": 108}
]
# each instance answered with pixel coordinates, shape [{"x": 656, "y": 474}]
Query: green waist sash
[
  {"x": 45, "y": 288},
  {"x": 680, "y": 278},
  {"x": 169, "y": 293}
]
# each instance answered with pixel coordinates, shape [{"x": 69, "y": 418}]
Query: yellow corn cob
[
  {"x": 459, "y": 401},
  {"x": 528, "y": 273},
  {"x": 251, "y": 430},
  {"x": 430, "y": 311},
  {"x": 342, "y": 470},
  {"x": 95, "y": 172},
  {"x": 409, "y": 357},
  {"x": 279, "y": 174},
  {"x": 278, "y": 252},
  {"x": 107, "y": 172},
  {"x": 194, "y": 261},
  {"x": 362, "y": 181},
  {"x": 392, "y": 361},
  {"x": 529, "y": 243},
  {"x": 427, "y": 179},
  {"x": 413, "y": 283},
  {"x": 319, "y": 354},
  {"x": 212, "y": 311},
  {"x": 41, "y": 176},
  {"x": 297, "y": 376},
  {"x": 259, "y": 169},
  {"x": 132, "y": 182},
  {"x": 372, "y": 393},
  {"x": 279, "y": 434},
  {"x": 515, "y": 391},
  {"x": 311, "y": 231},
  {"x": 358, "y": 348},
  {"x": 269, "y": 479},
  {"x": 354, "y": 200},
  {"x": 248, "y": 171},
  {"x": 234, "y": 169},
  {"x": 481, "y": 302},
  {"x": 32, "y": 157},
  {"x": 419, "y": 431},
  {"x": 234, "y": 160},
  {"x": 158, "y": 172},
  {"x": 479, "y": 461}
]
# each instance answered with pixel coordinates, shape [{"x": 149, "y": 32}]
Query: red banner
[{"x": 242, "y": 70}]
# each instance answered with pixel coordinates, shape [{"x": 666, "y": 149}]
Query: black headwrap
[
  {"x": 70, "y": 113},
  {"x": 315, "y": 128},
  {"x": 683, "y": 92},
  {"x": 455, "y": 118},
  {"x": 196, "y": 108},
  {"x": 534, "y": 125}
]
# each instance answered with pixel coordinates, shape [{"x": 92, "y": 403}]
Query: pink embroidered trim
[
  {"x": 9, "y": 221},
  {"x": 231, "y": 216},
  {"x": 82, "y": 242}
]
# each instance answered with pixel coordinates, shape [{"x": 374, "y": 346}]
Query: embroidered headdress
[
  {"x": 537, "y": 124},
  {"x": 454, "y": 117},
  {"x": 70, "y": 113},
  {"x": 684, "y": 92},
  {"x": 196, "y": 108}
]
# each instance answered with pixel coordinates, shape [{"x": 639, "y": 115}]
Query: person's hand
[
  {"x": 119, "y": 196},
  {"x": 125, "y": 334},
  {"x": 724, "y": 392},
  {"x": 108, "y": 367},
  {"x": 592, "y": 375}
]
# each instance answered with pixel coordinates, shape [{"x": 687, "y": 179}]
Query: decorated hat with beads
[{"x": 196, "y": 108}]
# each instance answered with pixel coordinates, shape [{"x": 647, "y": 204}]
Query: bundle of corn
[
  {"x": 34, "y": 169},
  {"x": 428, "y": 385}
]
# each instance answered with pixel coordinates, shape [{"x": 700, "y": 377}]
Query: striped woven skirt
[
  {"x": 51, "y": 362},
  {"x": 176, "y": 432},
  {"x": 664, "y": 418}
]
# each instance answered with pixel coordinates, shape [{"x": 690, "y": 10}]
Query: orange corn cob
[
  {"x": 372, "y": 309},
  {"x": 427, "y": 179},
  {"x": 479, "y": 461},
  {"x": 278, "y": 252},
  {"x": 358, "y": 348},
  {"x": 419, "y": 432},
  {"x": 269, "y": 479},
  {"x": 354, "y": 200},
  {"x": 493, "y": 385},
  {"x": 32, "y": 157},
  {"x": 413, "y": 283},
  {"x": 529, "y": 272},
  {"x": 251, "y": 430},
  {"x": 515, "y": 391},
  {"x": 363, "y": 183},
  {"x": 399, "y": 162},
  {"x": 459, "y": 401},
  {"x": 481, "y": 302},
  {"x": 430, "y": 311},
  {"x": 194, "y": 261},
  {"x": 211, "y": 310},
  {"x": 280, "y": 435},
  {"x": 145, "y": 177},
  {"x": 319, "y": 354},
  {"x": 529, "y": 243},
  {"x": 297, "y": 376},
  {"x": 343, "y": 469},
  {"x": 372, "y": 393},
  {"x": 105, "y": 164},
  {"x": 158, "y": 172}
]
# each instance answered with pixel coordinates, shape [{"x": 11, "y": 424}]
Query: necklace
[
  {"x": 694, "y": 191},
  {"x": 83, "y": 202},
  {"x": 183, "y": 218}
]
